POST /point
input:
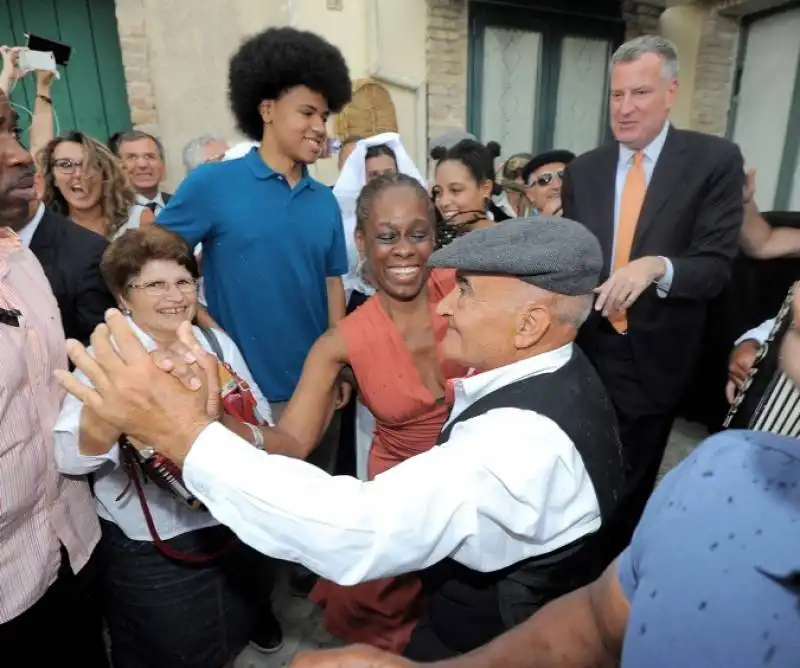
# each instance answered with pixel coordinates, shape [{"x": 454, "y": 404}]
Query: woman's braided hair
[{"x": 376, "y": 187}]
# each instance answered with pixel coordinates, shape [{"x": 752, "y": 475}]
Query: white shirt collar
[
  {"x": 468, "y": 390},
  {"x": 158, "y": 199},
  {"x": 651, "y": 151},
  {"x": 27, "y": 232}
]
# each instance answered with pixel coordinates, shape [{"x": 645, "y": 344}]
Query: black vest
[{"x": 466, "y": 608}]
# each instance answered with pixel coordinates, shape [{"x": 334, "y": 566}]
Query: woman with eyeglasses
[
  {"x": 465, "y": 185},
  {"x": 84, "y": 181},
  {"x": 178, "y": 586},
  {"x": 544, "y": 175}
]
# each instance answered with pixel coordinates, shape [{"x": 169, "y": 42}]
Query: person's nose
[
  {"x": 626, "y": 106},
  {"x": 445, "y": 306},
  {"x": 18, "y": 155}
]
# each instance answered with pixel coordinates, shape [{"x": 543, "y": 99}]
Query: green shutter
[{"x": 91, "y": 94}]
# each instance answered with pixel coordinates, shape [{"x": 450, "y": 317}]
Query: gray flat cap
[
  {"x": 449, "y": 139},
  {"x": 554, "y": 254}
]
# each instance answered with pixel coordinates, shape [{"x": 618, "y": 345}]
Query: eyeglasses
[
  {"x": 547, "y": 178},
  {"x": 185, "y": 286},
  {"x": 68, "y": 165}
]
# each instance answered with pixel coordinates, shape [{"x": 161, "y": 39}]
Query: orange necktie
[{"x": 630, "y": 207}]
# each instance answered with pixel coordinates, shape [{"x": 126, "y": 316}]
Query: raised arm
[{"x": 312, "y": 404}]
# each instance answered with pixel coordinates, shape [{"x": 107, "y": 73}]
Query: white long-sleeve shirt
[
  {"x": 507, "y": 485},
  {"x": 171, "y": 516},
  {"x": 759, "y": 333}
]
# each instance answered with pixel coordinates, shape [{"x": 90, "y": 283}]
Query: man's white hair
[
  {"x": 193, "y": 151},
  {"x": 639, "y": 46}
]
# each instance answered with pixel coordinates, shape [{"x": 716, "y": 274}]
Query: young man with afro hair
[{"x": 273, "y": 242}]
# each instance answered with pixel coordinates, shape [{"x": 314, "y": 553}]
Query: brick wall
[
  {"x": 446, "y": 64},
  {"x": 135, "y": 59},
  {"x": 641, "y": 18},
  {"x": 714, "y": 70}
]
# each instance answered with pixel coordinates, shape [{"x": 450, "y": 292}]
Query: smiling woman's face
[
  {"x": 161, "y": 297},
  {"x": 397, "y": 241},
  {"x": 79, "y": 183},
  {"x": 457, "y": 194}
]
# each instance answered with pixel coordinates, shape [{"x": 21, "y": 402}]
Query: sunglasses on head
[{"x": 547, "y": 178}]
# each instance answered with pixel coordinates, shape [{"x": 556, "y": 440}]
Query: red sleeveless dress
[{"x": 408, "y": 419}]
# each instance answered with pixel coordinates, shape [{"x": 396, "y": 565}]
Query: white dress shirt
[
  {"x": 171, "y": 516},
  {"x": 651, "y": 154},
  {"x": 758, "y": 334},
  {"x": 507, "y": 485},
  {"x": 158, "y": 200},
  {"x": 27, "y": 232}
]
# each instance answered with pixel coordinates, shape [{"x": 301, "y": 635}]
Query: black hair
[
  {"x": 385, "y": 182},
  {"x": 133, "y": 135},
  {"x": 379, "y": 150},
  {"x": 272, "y": 62},
  {"x": 476, "y": 157}
]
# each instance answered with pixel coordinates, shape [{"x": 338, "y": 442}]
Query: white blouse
[{"x": 172, "y": 517}]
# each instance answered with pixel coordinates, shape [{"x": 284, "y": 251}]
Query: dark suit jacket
[
  {"x": 692, "y": 215},
  {"x": 70, "y": 256},
  {"x": 166, "y": 197}
]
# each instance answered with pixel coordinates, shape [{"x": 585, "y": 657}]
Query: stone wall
[
  {"x": 641, "y": 18},
  {"x": 135, "y": 59},
  {"x": 446, "y": 64},
  {"x": 714, "y": 72}
]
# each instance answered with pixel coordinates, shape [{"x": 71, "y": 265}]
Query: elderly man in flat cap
[{"x": 507, "y": 513}]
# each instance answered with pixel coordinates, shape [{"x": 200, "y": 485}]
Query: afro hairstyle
[{"x": 276, "y": 60}]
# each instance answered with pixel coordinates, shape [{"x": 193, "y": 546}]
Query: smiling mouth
[
  {"x": 404, "y": 273},
  {"x": 316, "y": 143},
  {"x": 178, "y": 310}
]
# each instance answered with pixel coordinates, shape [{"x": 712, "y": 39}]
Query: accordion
[{"x": 768, "y": 400}]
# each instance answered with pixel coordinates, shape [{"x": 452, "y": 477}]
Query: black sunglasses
[{"x": 547, "y": 178}]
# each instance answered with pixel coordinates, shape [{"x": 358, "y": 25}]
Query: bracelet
[
  {"x": 258, "y": 436},
  {"x": 44, "y": 98}
]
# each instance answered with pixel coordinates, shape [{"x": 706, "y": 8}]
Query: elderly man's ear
[{"x": 532, "y": 324}]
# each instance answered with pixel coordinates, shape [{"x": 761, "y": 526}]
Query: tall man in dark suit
[
  {"x": 667, "y": 207},
  {"x": 70, "y": 256}
]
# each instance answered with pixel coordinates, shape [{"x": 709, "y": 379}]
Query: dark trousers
[
  {"x": 163, "y": 612},
  {"x": 644, "y": 424},
  {"x": 64, "y": 627}
]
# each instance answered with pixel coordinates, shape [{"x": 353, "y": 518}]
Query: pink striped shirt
[{"x": 39, "y": 508}]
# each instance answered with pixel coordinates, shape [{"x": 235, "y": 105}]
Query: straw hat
[{"x": 370, "y": 112}]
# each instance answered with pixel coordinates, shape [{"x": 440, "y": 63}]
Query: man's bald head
[{"x": 17, "y": 171}]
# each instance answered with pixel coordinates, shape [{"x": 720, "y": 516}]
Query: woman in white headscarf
[{"x": 371, "y": 158}]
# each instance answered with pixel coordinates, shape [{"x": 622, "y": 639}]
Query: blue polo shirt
[
  {"x": 267, "y": 252},
  {"x": 713, "y": 571}
]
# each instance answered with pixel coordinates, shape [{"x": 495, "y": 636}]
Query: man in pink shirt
[{"x": 49, "y": 608}]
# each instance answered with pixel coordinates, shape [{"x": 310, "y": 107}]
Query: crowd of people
[{"x": 445, "y": 401}]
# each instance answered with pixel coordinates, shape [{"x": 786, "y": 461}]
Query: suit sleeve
[
  {"x": 568, "y": 196},
  {"x": 702, "y": 271},
  {"x": 92, "y": 298}
]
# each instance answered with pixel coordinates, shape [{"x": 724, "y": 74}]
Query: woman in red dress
[{"x": 391, "y": 343}]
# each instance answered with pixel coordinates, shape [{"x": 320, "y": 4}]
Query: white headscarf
[
  {"x": 352, "y": 179},
  {"x": 239, "y": 150}
]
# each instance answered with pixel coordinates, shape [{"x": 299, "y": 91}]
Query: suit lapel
[
  {"x": 43, "y": 241},
  {"x": 667, "y": 175},
  {"x": 605, "y": 200}
]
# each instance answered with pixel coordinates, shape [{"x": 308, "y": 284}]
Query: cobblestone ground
[{"x": 302, "y": 621}]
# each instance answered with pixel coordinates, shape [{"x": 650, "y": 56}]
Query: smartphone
[
  {"x": 60, "y": 51},
  {"x": 37, "y": 60}
]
